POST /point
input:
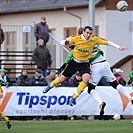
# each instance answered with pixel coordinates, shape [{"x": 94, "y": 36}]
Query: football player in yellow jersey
[
  {"x": 99, "y": 68},
  {"x": 84, "y": 45},
  {"x": 2, "y": 116}
]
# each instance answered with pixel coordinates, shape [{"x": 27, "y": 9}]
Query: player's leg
[
  {"x": 96, "y": 74},
  {"x": 68, "y": 72},
  {"x": 56, "y": 82},
  {"x": 1, "y": 91},
  {"x": 6, "y": 119},
  {"x": 122, "y": 90},
  {"x": 3, "y": 117},
  {"x": 95, "y": 95},
  {"x": 80, "y": 89},
  {"x": 94, "y": 79},
  {"x": 109, "y": 76},
  {"x": 82, "y": 85},
  {"x": 84, "y": 70}
]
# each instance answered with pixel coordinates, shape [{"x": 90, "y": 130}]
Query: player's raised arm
[
  {"x": 121, "y": 48},
  {"x": 67, "y": 41},
  {"x": 64, "y": 42}
]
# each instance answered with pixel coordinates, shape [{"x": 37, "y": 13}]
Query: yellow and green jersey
[
  {"x": 83, "y": 48},
  {"x": 69, "y": 57}
]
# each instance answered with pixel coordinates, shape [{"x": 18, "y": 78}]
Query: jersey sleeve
[
  {"x": 72, "y": 39},
  {"x": 101, "y": 41},
  {"x": 69, "y": 57}
]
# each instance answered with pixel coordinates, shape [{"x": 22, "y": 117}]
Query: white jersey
[
  {"x": 100, "y": 58},
  {"x": 99, "y": 70}
]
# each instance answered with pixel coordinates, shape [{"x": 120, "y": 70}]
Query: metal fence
[{"x": 21, "y": 38}]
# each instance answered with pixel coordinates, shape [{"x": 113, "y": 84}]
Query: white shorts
[{"x": 100, "y": 70}]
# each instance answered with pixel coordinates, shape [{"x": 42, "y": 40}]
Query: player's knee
[
  {"x": 85, "y": 78},
  {"x": 90, "y": 87},
  {"x": 114, "y": 84},
  {"x": 62, "y": 78}
]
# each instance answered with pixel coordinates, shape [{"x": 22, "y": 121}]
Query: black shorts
[{"x": 73, "y": 67}]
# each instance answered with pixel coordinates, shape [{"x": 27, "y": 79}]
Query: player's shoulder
[
  {"x": 96, "y": 37},
  {"x": 75, "y": 37}
]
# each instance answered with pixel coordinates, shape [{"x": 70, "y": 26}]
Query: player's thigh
[
  {"x": 70, "y": 69},
  {"x": 108, "y": 75},
  {"x": 62, "y": 78},
  {"x": 96, "y": 74}
]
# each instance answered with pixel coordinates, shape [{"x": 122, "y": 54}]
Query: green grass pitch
[{"x": 69, "y": 126}]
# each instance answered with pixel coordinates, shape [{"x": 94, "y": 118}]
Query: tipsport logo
[
  {"x": 29, "y": 100},
  {"x": 33, "y": 100},
  {"x": 48, "y": 101}
]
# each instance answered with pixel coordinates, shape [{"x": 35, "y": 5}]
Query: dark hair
[
  {"x": 39, "y": 70},
  {"x": 78, "y": 74},
  {"x": 80, "y": 30},
  {"x": 88, "y": 27},
  {"x": 24, "y": 69}
]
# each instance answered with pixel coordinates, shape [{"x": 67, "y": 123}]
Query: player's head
[
  {"x": 88, "y": 27},
  {"x": 80, "y": 30},
  {"x": 87, "y": 32}
]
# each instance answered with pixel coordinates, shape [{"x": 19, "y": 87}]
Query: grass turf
[{"x": 76, "y": 126}]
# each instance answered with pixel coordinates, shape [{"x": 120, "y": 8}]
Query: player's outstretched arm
[
  {"x": 64, "y": 42},
  {"x": 122, "y": 48}
]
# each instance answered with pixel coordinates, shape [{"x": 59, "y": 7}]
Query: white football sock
[
  {"x": 121, "y": 89},
  {"x": 96, "y": 96}
]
